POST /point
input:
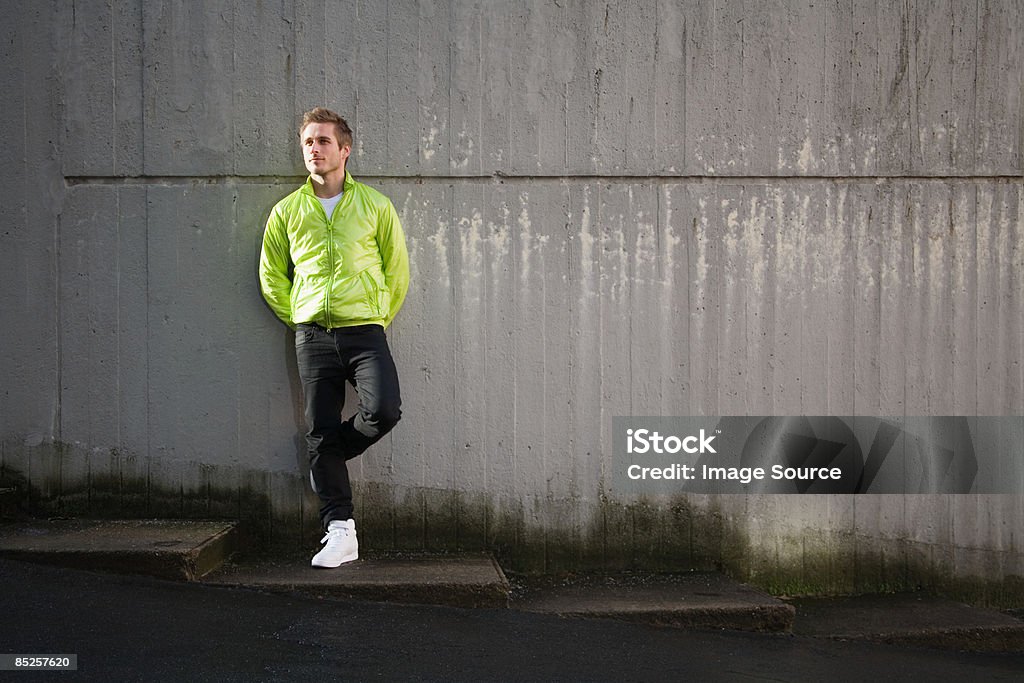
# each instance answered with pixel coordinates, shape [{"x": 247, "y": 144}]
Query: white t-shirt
[{"x": 329, "y": 203}]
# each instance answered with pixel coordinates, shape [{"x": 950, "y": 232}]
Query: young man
[{"x": 335, "y": 268}]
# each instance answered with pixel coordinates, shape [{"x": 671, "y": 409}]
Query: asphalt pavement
[{"x": 131, "y": 628}]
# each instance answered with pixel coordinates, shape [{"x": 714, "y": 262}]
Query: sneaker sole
[{"x": 344, "y": 559}]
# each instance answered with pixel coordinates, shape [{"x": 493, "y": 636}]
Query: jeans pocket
[{"x": 303, "y": 334}]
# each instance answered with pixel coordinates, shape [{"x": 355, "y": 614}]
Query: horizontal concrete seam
[{"x": 498, "y": 178}]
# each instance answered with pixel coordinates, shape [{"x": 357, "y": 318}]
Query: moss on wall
[{"x": 537, "y": 535}]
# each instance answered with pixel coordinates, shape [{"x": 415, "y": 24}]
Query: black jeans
[{"x": 327, "y": 359}]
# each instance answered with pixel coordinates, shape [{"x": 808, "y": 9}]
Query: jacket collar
[{"x": 308, "y": 187}]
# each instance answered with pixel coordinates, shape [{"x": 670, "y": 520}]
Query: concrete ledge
[
  {"x": 170, "y": 549},
  {"x": 694, "y": 601},
  {"x": 455, "y": 580},
  {"x": 909, "y": 619}
]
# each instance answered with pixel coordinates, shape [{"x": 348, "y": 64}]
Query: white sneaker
[{"x": 341, "y": 547}]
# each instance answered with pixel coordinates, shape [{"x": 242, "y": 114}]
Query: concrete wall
[{"x": 642, "y": 207}]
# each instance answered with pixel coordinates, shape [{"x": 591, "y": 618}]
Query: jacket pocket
[{"x": 373, "y": 293}]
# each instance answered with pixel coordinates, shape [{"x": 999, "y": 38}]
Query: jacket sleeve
[
  {"x": 394, "y": 258},
  {"x": 274, "y": 262}
]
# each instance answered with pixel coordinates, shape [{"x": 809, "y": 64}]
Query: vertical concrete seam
[
  {"x": 948, "y": 116},
  {"x": 1020, "y": 224},
  {"x": 548, "y": 498},
  {"x": 451, "y": 80},
  {"x": 293, "y": 59},
  {"x": 55, "y": 417},
  {"x": 974, "y": 104},
  {"x": 507, "y": 159},
  {"x": 323, "y": 72},
  {"x": 1020, "y": 100},
  {"x": 142, "y": 91},
  {"x": 234, "y": 91},
  {"x": 743, "y": 70},
  {"x": 877, "y": 120},
  {"x": 879, "y": 299},
  {"x": 683, "y": 91},
  {"x": 689, "y": 322},
  {"x": 718, "y": 323},
  {"x": 952, "y": 254},
  {"x": 485, "y": 431},
  {"x": 654, "y": 77},
  {"x": 457, "y": 346},
  {"x": 149, "y": 357},
  {"x": 910, "y": 219},
  {"x": 914, "y": 113},
  {"x": 565, "y": 140},
  {"x": 630, "y": 279},
  {"x": 571, "y": 314},
  {"x": 659, "y": 263},
  {"x": 480, "y": 100},
  {"x": 419, "y": 105},
  {"x": 117, "y": 305},
  {"x": 977, "y": 327},
  {"x": 598, "y": 239},
  {"x": 424, "y": 523},
  {"x": 58, "y": 339},
  {"x": 113, "y": 92},
  {"x": 829, "y": 223},
  {"x": 855, "y": 235},
  {"x": 238, "y": 366},
  {"x": 823, "y": 141},
  {"x": 387, "y": 82},
  {"x": 514, "y": 254}
]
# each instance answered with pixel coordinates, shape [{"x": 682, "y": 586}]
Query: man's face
[{"x": 320, "y": 149}]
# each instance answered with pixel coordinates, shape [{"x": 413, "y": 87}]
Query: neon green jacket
[{"x": 351, "y": 269}]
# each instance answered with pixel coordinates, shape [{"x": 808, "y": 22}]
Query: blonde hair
[{"x": 325, "y": 115}]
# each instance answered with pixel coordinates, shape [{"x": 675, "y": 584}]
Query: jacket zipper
[{"x": 330, "y": 261}]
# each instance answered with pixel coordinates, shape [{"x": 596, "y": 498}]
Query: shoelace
[{"x": 334, "y": 532}]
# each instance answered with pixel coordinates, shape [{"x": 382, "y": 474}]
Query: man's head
[
  {"x": 326, "y": 141},
  {"x": 325, "y": 115}
]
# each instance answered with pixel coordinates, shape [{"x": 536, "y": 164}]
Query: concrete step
[
  {"x": 170, "y": 549},
  {"x": 461, "y": 580},
  {"x": 696, "y": 600},
  {"x": 909, "y": 619}
]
